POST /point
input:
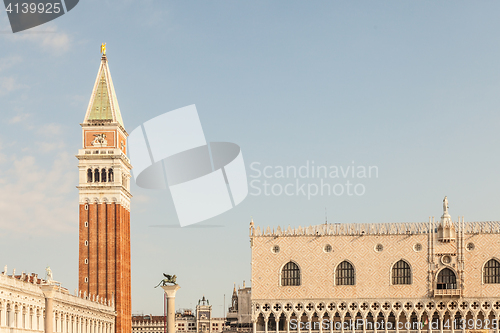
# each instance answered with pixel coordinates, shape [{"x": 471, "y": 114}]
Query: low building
[
  {"x": 148, "y": 323},
  {"x": 26, "y": 299},
  {"x": 185, "y": 321}
]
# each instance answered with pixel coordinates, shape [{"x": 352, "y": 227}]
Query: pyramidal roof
[{"x": 103, "y": 106}]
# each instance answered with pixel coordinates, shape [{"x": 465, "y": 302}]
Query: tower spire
[{"x": 103, "y": 106}]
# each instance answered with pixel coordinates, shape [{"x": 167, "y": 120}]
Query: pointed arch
[
  {"x": 491, "y": 271},
  {"x": 446, "y": 279},
  {"x": 345, "y": 275},
  {"x": 401, "y": 273},
  {"x": 290, "y": 274}
]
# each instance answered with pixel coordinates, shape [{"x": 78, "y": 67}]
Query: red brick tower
[{"x": 104, "y": 173}]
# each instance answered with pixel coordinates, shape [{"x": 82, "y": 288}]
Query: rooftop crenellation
[{"x": 361, "y": 229}]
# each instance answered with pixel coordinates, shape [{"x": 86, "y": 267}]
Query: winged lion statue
[{"x": 169, "y": 279}]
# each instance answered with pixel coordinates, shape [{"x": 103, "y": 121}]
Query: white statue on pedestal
[
  {"x": 49, "y": 274},
  {"x": 445, "y": 206}
]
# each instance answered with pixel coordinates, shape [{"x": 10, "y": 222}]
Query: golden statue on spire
[{"x": 103, "y": 49}]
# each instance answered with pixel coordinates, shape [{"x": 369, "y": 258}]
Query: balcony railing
[{"x": 447, "y": 292}]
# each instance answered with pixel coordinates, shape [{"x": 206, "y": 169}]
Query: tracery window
[
  {"x": 491, "y": 272},
  {"x": 446, "y": 279},
  {"x": 401, "y": 273},
  {"x": 290, "y": 274},
  {"x": 344, "y": 275}
]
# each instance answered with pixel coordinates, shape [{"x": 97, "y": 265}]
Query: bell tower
[{"x": 104, "y": 200}]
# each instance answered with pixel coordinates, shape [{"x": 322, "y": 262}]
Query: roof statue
[
  {"x": 445, "y": 206},
  {"x": 446, "y": 218},
  {"x": 446, "y": 229},
  {"x": 103, "y": 49},
  {"x": 49, "y": 274}
]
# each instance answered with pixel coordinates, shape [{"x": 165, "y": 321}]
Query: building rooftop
[{"x": 359, "y": 229}]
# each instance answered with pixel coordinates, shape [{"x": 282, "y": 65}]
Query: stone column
[
  {"x": 452, "y": 320},
  {"x": 10, "y": 317},
  {"x": 17, "y": 318},
  {"x": 38, "y": 319},
  {"x": 49, "y": 292},
  {"x": 396, "y": 321},
  {"x": 254, "y": 325},
  {"x": 3, "y": 316},
  {"x": 170, "y": 292}
]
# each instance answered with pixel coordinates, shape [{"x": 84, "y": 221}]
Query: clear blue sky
[{"x": 412, "y": 87}]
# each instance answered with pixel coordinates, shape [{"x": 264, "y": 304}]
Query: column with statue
[{"x": 170, "y": 287}]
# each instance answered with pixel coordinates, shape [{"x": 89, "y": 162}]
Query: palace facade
[
  {"x": 26, "y": 300},
  {"x": 402, "y": 277}
]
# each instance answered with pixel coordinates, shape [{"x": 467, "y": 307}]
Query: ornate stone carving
[{"x": 100, "y": 140}]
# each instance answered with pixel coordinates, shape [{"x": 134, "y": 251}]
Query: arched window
[
  {"x": 89, "y": 176},
  {"x": 96, "y": 175},
  {"x": 344, "y": 275},
  {"x": 290, "y": 274},
  {"x": 110, "y": 176},
  {"x": 401, "y": 273},
  {"x": 103, "y": 175},
  {"x": 491, "y": 272},
  {"x": 446, "y": 279}
]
